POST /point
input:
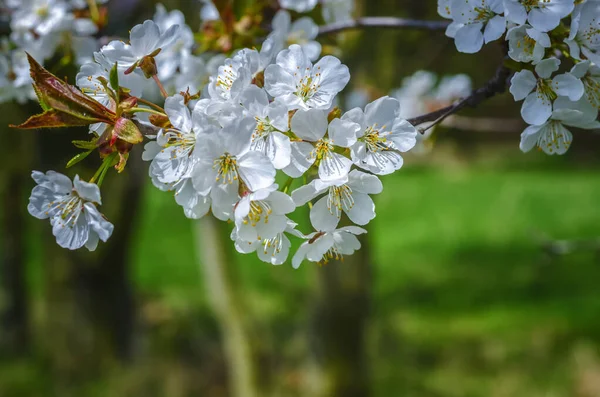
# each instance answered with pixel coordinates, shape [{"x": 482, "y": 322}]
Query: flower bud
[
  {"x": 126, "y": 104},
  {"x": 335, "y": 113},
  {"x": 148, "y": 66},
  {"x": 126, "y": 130}
]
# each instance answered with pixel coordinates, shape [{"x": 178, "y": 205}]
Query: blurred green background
[{"x": 479, "y": 275}]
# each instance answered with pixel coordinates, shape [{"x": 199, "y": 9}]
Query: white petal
[
  {"x": 568, "y": 85},
  {"x": 97, "y": 222},
  {"x": 494, "y": 29},
  {"x": 305, "y": 193},
  {"x": 363, "y": 209},
  {"x": 301, "y": 160},
  {"x": 343, "y": 132},
  {"x": 281, "y": 203},
  {"x": 364, "y": 183},
  {"x": 522, "y": 84},
  {"x": 545, "y": 68},
  {"x": 256, "y": 170},
  {"x": 179, "y": 113},
  {"x": 536, "y": 109},
  {"x": 278, "y": 81},
  {"x": 87, "y": 191},
  {"x": 334, "y": 167},
  {"x": 529, "y": 137},
  {"x": 322, "y": 218},
  {"x": 382, "y": 112},
  {"x": 310, "y": 124},
  {"x": 469, "y": 38}
]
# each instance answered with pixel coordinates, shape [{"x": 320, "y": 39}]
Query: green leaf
[
  {"x": 114, "y": 78},
  {"x": 78, "y": 158},
  {"x": 87, "y": 145},
  {"x": 56, "y": 96}
]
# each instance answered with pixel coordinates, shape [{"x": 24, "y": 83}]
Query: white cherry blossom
[
  {"x": 321, "y": 247},
  {"x": 338, "y": 10},
  {"x": 584, "y": 37},
  {"x": 15, "y": 81},
  {"x": 298, "y": 5},
  {"x": 170, "y": 59},
  {"x": 311, "y": 126},
  {"x": 274, "y": 250},
  {"x": 553, "y": 137},
  {"x": 526, "y": 44},
  {"x": 262, "y": 214},
  {"x": 272, "y": 120},
  {"x": 42, "y": 17},
  {"x": 589, "y": 74},
  {"x": 295, "y": 82},
  {"x": 349, "y": 196},
  {"x": 543, "y": 15},
  {"x": 481, "y": 23},
  {"x": 144, "y": 40},
  {"x": 302, "y": 32},
  {"x": 225, "y": 158},
  {"x": 540, "y": 90},
  {"x": 383, "y": 134},
  {"x": 71, "y": 208}
]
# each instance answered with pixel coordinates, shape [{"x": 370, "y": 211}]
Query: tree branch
[
  {"x": 382, "y": 22},
  {"x": 496, "y": 85}
]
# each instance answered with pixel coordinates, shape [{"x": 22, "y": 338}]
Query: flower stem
[
  {"x": 145, "y": 110},
  {"x": 94, "y": 13},
  {"x": 160, "y": 86},
  {"x": 153, "y": 105}
]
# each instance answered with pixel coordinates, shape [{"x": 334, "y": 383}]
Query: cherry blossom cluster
[
  {"x": 249, "y": 135},
  {"x": 41, "y": 27},
  {"x": 261, "y": 139},
  {"x": 541, "y": 36}
]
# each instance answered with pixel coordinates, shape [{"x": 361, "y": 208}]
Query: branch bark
[
  {"x": 382, "y": 22},
  {"x": 496, "y": 85}
]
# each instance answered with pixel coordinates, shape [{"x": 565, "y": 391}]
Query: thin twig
[
  {"x": 382, "y": 22},
  {"x": 496, "y": 85}
]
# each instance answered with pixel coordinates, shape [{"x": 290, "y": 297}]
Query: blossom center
[
  {"x": 258, "y": 210},
  {"x": 308, "y": 85},
  {"x": 553, "y": 137},
  {"x": 374, "y": 139},
  {"x": 545, "y": 91},
  {"x": 339, "y": 199},
  {"x": 531, "y": 4},
  {"x": 226, "y": 78},
  {"x": 483, "y": 14},
  {"x": 68, "y": 208},
  {"x": 592, "y": 90},
  {"x": 275, "y": 244},
  {"x": 227, "y": 168}
]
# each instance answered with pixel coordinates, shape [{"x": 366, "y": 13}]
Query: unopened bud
[
  {"x": 160, "y": 121},
  {"x": 126, "y": 130},
  {"x": 335, "y": 113},
  {"x": 259, "y": 80},
  {"x": 148, "y": 66},
  {"x": 126, "y": 104}
]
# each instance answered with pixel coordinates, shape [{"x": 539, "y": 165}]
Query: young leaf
[
  {"x": 64, "y": 104},
  {"x": 78, "y": 158},
  {"x": 114, "y": 78}
]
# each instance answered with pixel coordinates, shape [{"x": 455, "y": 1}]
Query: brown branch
[
  {"x": 496, "y": 85},
  {"x": 382, "y": 22}
]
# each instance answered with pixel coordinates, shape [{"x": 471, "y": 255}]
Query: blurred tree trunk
[
  {"x": 14, "y": 317},
  {"x": 339, "y": 326},
  {"x": 89, "y": 305},
  {"x": 224, "y": 294}
]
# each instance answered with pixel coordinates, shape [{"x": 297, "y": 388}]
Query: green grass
[{"x": 460, "y": 269}]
